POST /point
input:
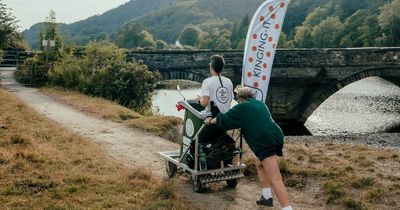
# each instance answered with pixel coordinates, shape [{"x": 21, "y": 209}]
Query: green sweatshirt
[{"x": 258, "y": 127}]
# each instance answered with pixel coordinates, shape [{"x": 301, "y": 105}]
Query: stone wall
[{"x": 301, "y": 78}]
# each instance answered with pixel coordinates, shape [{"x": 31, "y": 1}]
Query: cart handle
[{"x": 193, "y": 110}]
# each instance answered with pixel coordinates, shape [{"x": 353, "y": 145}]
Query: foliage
[
  {"x": 361, "y": 23},
  {"x": 389, "y": 21},
  {"x": 217, "y": 39},
  {"x": 49, "y": 33},
  {"x": 239, "y": 32},
  {"x": 34, "y": 71},
  {"x": 9, "y": 36},
  {"x": 190, "y": 36},
  {"x": 134, "y": 36},
  {"x": 102, "y": 71},
  {"x": 327, "y": 33}
]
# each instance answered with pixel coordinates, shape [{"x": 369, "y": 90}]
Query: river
[{"x": 370, "y": 105}]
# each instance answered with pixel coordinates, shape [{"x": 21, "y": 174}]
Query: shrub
[
  {"x": 334, "y": 191},
  {"x": 102, "y": 71},
  {"x": 33, "y": 71}
]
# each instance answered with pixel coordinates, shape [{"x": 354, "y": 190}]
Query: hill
[
  {"x": 100, "y": 26},
  {"x": 308, "y": 23}
]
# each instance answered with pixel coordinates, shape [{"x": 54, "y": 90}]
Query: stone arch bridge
[{"x": 301, "y": 78}]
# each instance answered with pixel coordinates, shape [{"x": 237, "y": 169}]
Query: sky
[{"x": 30, "y": 12}]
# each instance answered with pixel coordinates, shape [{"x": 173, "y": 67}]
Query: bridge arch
[{"x": 390, "y": 74}]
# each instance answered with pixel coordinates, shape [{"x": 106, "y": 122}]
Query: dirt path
[{"x": 132, "y": 147}]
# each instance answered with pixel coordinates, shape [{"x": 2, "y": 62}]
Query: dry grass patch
[
  {"x": 343, "y": 175},
  {"x": 163, "y": 126},
  {"x": 45, "y": 167}
]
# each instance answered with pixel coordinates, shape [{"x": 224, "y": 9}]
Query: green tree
[
  {"x": 134, "y": 36},
  {"x": 190, "y": 36},
  {"x": 102, "y": 71},
  {"x": 217, "y": 39},
  {"x": 327, "y": 33},
  {"x": 9, "y": 36},
  {"x": 239, "y": 33},
  {"x": 284, "y": 42},
  {"x": 302, "y": 36},
  {"x": 369, "y": 32},
  {"x": 146, "y": 40},
  {"x": 352, "y": 36},
  {"x": 160, "y": 44},
  {"x": 316, "y": 16},
  {"x": 49, "y": 31},
  {"x": 389, "y": 20},
  {"x": 48, "y": 35}
]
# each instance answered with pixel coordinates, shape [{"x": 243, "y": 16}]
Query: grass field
[
  {"x": 340, "y": 176},
  {"x": 43, "y": 166},
  {"x": 163, "y": 126}
]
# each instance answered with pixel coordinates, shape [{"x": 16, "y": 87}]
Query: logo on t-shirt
[{"x": 222, "y": 95}]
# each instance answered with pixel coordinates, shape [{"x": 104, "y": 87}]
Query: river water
[{"x": 370, "y": 105}]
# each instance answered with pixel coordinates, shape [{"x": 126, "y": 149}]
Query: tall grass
[{"x": 45, "y": 167}]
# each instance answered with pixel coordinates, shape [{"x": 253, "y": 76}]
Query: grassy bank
[
  {"x": 163, "y": 126},
  {"x": 45, "y": 167},
  {"x": 340, "y": 176}
]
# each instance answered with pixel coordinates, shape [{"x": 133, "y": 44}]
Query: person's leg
[
  {"x": 270, "y": 165},
  {"x": 265, "y": 184}
]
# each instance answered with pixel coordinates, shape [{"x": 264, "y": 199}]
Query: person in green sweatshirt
[{"x": 264, "y": 137}]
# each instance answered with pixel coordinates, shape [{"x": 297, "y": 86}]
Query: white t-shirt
[{"x": 221, "y": 95}]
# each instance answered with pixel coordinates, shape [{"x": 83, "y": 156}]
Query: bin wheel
[
  {"x": 232, "y": 182},
  {"x": 198, "y": 186},
  {"x": 171, "y": 169}
]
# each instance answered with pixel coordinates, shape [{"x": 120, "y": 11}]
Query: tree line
[{"x": 336, "y": 23}]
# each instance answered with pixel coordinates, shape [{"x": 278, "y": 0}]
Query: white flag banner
[{"x": 262, "y": 39}]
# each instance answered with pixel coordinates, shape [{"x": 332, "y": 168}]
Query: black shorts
[{"x": 269, "y": 151}]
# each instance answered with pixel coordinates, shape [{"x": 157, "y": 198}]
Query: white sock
[
  {"x": 266, "y": 192},
  {"x": 287, "y": 208}
]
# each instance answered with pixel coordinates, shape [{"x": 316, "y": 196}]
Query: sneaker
[{"x": 265, "y": 202}]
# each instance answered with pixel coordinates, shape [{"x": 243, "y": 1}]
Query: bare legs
[{"x": 269, "y": 175}]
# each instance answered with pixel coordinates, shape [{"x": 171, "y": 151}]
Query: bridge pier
[{"x": 293, "y": 128}]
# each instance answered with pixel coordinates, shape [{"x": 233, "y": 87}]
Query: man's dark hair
[{"x": 217, "y": 63}]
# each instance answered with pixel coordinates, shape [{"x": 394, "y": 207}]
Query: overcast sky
[{"x": 29, "y": 12}]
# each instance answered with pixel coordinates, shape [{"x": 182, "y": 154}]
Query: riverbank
[{"x": 184, "y": 84}]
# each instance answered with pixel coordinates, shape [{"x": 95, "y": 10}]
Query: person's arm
[
  {"x": 204, "y": 99},
  {"x": 229, "y": 120}
]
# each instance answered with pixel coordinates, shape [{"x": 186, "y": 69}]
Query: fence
[{"x": 15, "y": 58}]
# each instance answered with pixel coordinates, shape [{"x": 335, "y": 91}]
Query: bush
[
  {"x": 33, "y": 72},
  {"x": 102, "y": 71}
]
